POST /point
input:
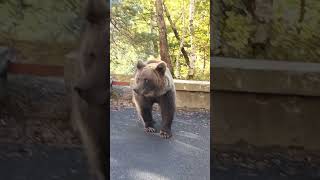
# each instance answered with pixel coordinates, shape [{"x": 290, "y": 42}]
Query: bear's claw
[
  {"x": 165, "y": 135},
  {"x": 149, "y": 130}
]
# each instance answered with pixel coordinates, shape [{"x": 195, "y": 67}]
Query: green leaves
[
  {"x": 293, "y": 33},
  {"x": 136, "y": 35}
]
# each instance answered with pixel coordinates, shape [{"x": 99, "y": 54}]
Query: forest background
[{"x": 143, "y": 29}]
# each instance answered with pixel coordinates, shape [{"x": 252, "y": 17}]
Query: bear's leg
[
  {"x": 146, "y": 114},
  {"x": 144, "y": 110},
  {"x": 168, "y": 107}
]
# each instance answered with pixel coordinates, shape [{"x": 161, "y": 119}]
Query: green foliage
[
  {"x": 237, "y": 33},
  {"x": 293, "y": 32},
  {"x": 49, "y": 21},
  {"x": 134, "y": 35}
]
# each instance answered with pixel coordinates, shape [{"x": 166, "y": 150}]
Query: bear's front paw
[
  {"x": 165, "y": 134},
  {"x": 149, "y": 130}
]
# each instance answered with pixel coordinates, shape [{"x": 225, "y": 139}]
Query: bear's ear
[
  {"x": 140, "y": 65},
  {"x": 161, "y": 68}
]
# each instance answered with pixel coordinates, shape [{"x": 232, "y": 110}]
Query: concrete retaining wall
[
  {"x": 265, "y": 103},
  {"x": 191, "y": 94}
]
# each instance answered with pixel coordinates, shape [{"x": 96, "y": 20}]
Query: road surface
[{"x": 137, "y": 156}]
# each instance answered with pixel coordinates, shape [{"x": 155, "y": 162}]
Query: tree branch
[{"x": 176, "y": 34}]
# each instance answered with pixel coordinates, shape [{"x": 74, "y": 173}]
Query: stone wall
[{"x": 265, "y": 103}]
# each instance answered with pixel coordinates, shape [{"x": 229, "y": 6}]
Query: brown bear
[
  {"x": 90, "y": 89},
  {"x": 154, "y": 84}
]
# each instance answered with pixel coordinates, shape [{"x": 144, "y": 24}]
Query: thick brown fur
[
  {"x": 154, "y": 84},
  {"x": 90, "y": 91}
]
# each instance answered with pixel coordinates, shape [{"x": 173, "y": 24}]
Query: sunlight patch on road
[
  {"x": 188, "y": 135},
  {"x": 142, "y": 175},
  {"x": 186, "y": 148}
]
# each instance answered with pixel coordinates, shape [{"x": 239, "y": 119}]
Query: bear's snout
[{"x": 142, "y": 92}]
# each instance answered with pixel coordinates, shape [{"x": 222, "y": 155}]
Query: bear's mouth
[
  {"x": 144, "y": 92},
  {"x": 147, "y": 93}
]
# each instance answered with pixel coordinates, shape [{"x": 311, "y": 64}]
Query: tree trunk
[
  {"x": 163, "y": 42},
  {"x": 176, "y": 34},
  {"x": 262, "y": 16},
  {"x": 215, "y": 27},
  {"x": 178, "y": 66},
  {"x": 193, "y": 50},
  {"x": 302, "y": 10},
  {"x": 178, "y": 69},
  {"x": 153, "y": 25},
  {"x": 204, "y": 61},
  {"x": 302, "y": 14}
]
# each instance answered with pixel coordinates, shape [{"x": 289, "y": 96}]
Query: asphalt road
[
  {"x": 135, "y": 155},
  {"x": 40, "y": 162}
]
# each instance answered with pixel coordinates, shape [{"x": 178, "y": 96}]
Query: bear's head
[{"x": 150, "y": 78}]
